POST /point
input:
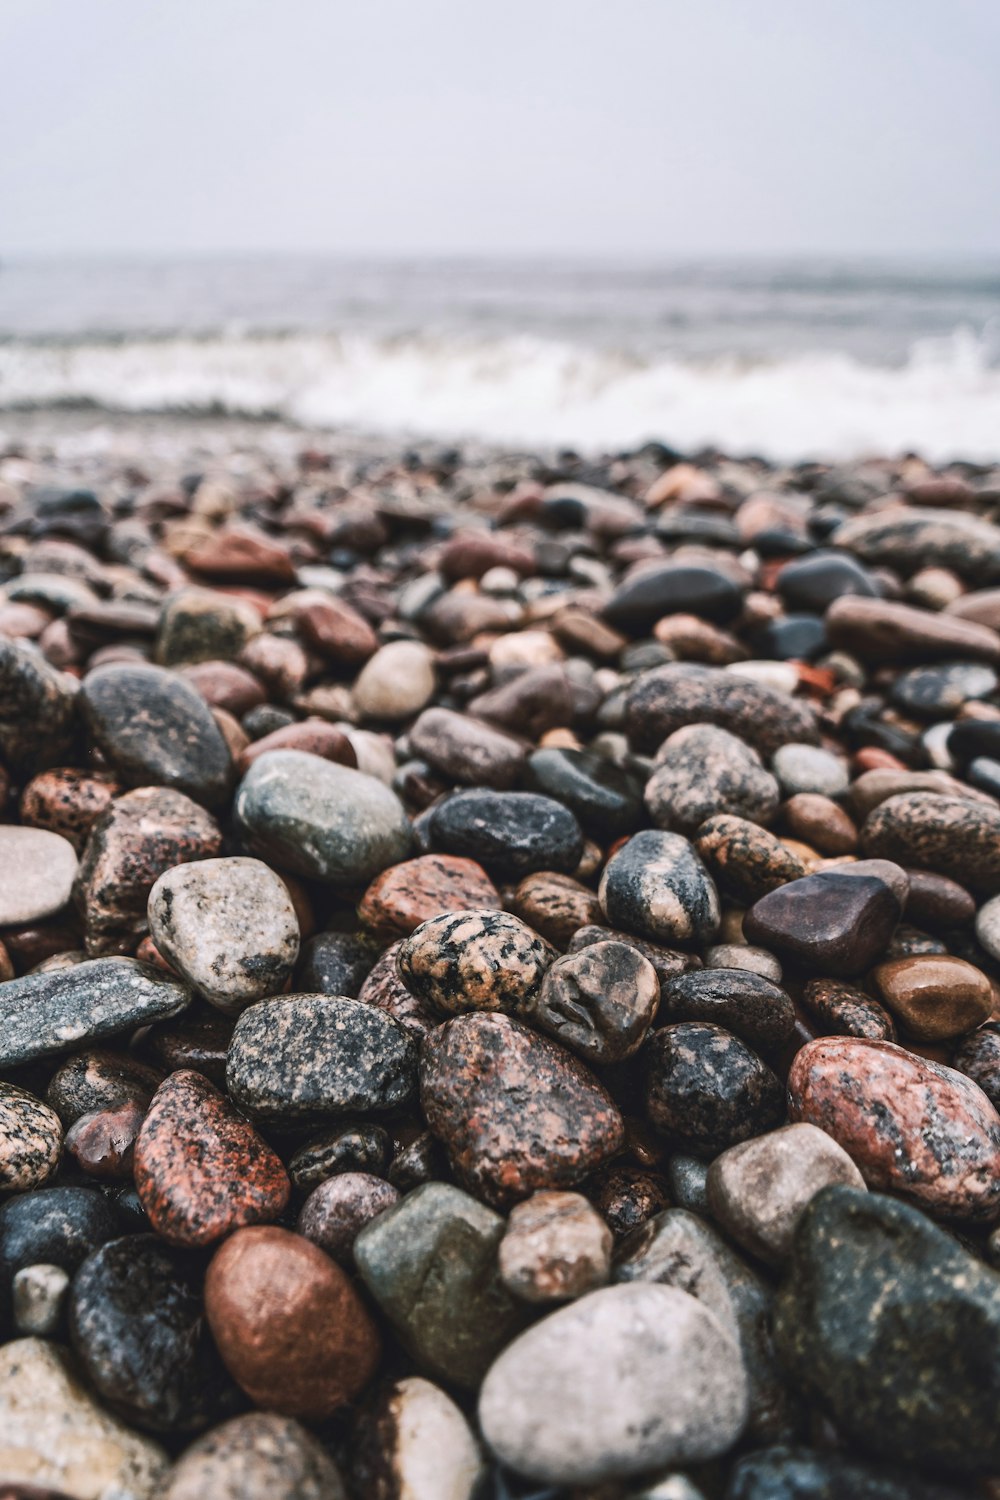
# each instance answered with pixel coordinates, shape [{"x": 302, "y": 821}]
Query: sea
[{"x": 786, "y": 358}]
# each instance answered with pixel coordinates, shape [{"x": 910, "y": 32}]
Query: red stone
[
  {"x": 242, "y": 552},
  {"x": 402, "y": 897},
  {"x": 223, "y": 684},
  {"x": 314, "y": 736},
  {"x": 103, "y": 1143},
  {"x": 332, "y": 627},
  {"x": 68, "y": 802}
]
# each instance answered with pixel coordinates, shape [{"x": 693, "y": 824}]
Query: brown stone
[
  {"x": 68, "y": 801},
  {"x": 982, "y": 607},
  {"x": 821, "y": 822},
  {"x": 404, "y": 896},
  {"x": 556, "y": 905},
  {"x": 529, "y": 704},
  {"x": 948, "y": 835},
  {"x": 846, "y": 1011},
  {"x": 935, "y": 997},
  {"x": 103, "y": 1143},
  {"x": 935, "y": 901},
  {"x": 314, "y": 736},
  {"x": 278, "y": 662},
  {"x": 467, "y": 750},
  {"x": 876, "y": 786},
  {"x": 470, "y": 554},
  {"x": 241, "y": 552},
  {"x": 290, "y": 1327},
  {"x": 223, "y": 684},
  {"x": 744, "y": 859},
  {"x": 556, "y": 1247},
  {"x": 332, "y": 627},
  {"x": 879, "y": 630},
  {"x": 384, "y": 989},
  {"x": 913, "y": 1127}
]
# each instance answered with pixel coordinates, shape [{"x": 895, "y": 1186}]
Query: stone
[
  {"x": 38, "y": 1300},
  {"x": 43, "y": 1015},
  {"x": 669, "y": 697},
  {"x": 384, "y": 989},
  {"x": 706, "y": 1090},
  {"x": 288, "y": 1323},
  {"x": 138, "y": 1329},
  {"x": 474, "y": 960},
  {"x": 54, "y": 1226},
  {"x": 815, "y": 581},
  {"x": 836, "y": 922},
  {"x": 605, "y": 798},
  {"x": 935, "y": 998},
  {"x": 307, "y": 1058},
  {"x": 406, "y": 895},
  {"x": 417, "y": 1445},
  {"x": 256, "y": 1456},
  {"x": 336, "y": 963},
  {"x": 600, "y": 1002},
  {"x": 309, "y": 737},
  {"x": 465, "y": 750},
  {"x": 102, "y": 1143},
  {"x": 68, "y": 802},
  {"x": 31, "y": 1140},
  {"x": 351, "y": 1147},
  {"x": 37, "y": 871},
  {"x": 656, "y": 886},
  {"x": 199, "y": 1039},
  {"x": 908, "y": 539},
  {"x": 154, "y": 729},
  {"x": 53, "y": 1433},
  {"x": 787, "y": 1473},
  {"x": 702, "y": 770},
  {"x": 556, "y": 1248},
  {"x": 626, "y": 1197},
  {"x": 657, "y": 589},
  {"x": 744, "y": 956},
  {"x": 396, "y": 683},
  {"x": 939, "y": 692},
  {"x": 895, "y": 1328},
  {"x": 759, "y": 1189},
  {"x": 431, "y": 1265},
  {"x": 38, "y": 710},
  {"x": 935, "y": 901},
  {"x": 951, "y": 836},
  {"x": 656, "y": 1378},
  {"x": 338, "y": 1209},
  {"x": 821, "y": 823},
  {"x": 224, "y": 685},
  {"x": 319, "y": 819},
  {"x": 847, "y": 1011},
  {"x": 515, "y": 1112},
  {"x": 331, "y": 625},
  {"x": 511, "y": 834},
  {"x": 667, "y": 962},
  {"x": 745, "y": 860},
  {"x": 809, "y": 769},
  {"x": 912, "y": 1127},
  {"x": 880, "y": 630},
  {"x": 197, "y": 625},
  {"x": 201, "y": 1170},
  {"x": 978, "y": 1057},
  {"x": 555, "y": 906},
  {"x": 740, "y": 1000},
  {"x": 228, "y": 927}
]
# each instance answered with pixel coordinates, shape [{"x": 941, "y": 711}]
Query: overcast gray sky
[{"x": 643, "y": 126}]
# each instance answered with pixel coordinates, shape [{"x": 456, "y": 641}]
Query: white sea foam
[{"x": 943, "y": 402}]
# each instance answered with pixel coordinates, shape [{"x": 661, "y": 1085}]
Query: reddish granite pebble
[
  {"x": 68, "y": 801},
  {"x": 201, "y": 1169},
  {"x": 913, "y": 1127},
  {"x": 555, "y": 905},
  {"x": 312, "y": 735},
  {"x": 405, "y": 895},
  {"x": 847, "y": 1011}
]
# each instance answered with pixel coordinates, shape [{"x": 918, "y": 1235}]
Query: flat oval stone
[
  {"x": 31, "y": 1139},
  {"x": 37, "y": 871},
  {"x": 156, "y": 730},
  {"x": 138, "y": 1328},
  {"x": 256, "y": 1456},
  {"x": 657, "y": 1381},
  {"x": 605, "y": 798},
  {"x": 912, "y": 1126},
  {"x": 706, "y": 1089},
  {"x": 882, "y": 1307},
  {"x": 657, "y": 887},
  {"x": 404, "y": 896},
  {"x": 744, "y": 859},
  {"x": 228, "y": 927},
  {"x": 431, "y": 1265},
  {"x": 738, "y": 999},
  {"x": 847, "y": 1011},
  {"x": 935, "y": 998},
  {"x": 813, "y": 582},
  {"x": 669, "y": 697},
  {"x": 935, "y": 901},
  {"x": 657, "y": 589},
  {"x": 303, "y": 1058},
  {"x": 952, "y": 836},
  {"x": 338, "y": 1209},
  {"x": 43, "y": 1015},
  {"x": 319, "y": 819},
  {"x": 821, "y": 823},
  {"x": 939, "y": 692},
  {"x": 510, "y": 833},
  {"x": 599, "y": 1002},
  {"x": 835, "y": 922},
  {"x": 474, "y": 960},
  {"x": 882, "y": 630},
  {"x": 289, "y": 1325},
  {"x": 103, "y": 1143},
  {"x": 514, "y": 1111},
  {"x": 908, "y": 539},
  {"x": 201, "y": 1170},
  {"x": 702, "y": 770},
  {"x": 396, "y": 683},
  {"x": 799, "y": 1473}
]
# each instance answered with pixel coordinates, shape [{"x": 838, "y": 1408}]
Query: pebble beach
[{"x": 499, "y": 970}]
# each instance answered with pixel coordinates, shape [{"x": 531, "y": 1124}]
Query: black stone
[
  {"x": 511, "y": 834},
  {"x": 605, "y": 798},
  {"x": 813, "y": 582},
  {"x": 741, "y": 1001},
  {"x": 812, "y": 1474},
  {"x": 791, "y": 638},
  {"x": 975, "y": 739},
  {"x": 336, "y": 963},
  {"x": 673, "y": 588},
  {"x": 706, "y": 1090},
  {"x": 56, "y": 1226},
  {"x": 352, "y": 1147}
]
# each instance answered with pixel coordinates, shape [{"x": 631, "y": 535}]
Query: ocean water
[{"x": 785, "y": 358}]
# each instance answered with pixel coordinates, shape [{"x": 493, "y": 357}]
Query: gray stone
[
  {"x": 38, "y": 1298},
  {"x": 988, "y": 927},
  {"x": 807, "y": 768},
  {"x": 599, "y": 1002},
  {"x": 37, "y": 709},
  {"x": 703, "y": 770},
  {"x": 257, "y": 1456},
  {"x": 37, "y": 871}
]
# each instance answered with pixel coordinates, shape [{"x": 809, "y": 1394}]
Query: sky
[{"x": 645, "y": 127}]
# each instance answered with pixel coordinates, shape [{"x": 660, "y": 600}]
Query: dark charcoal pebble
[
  {"x": 510, "y": 833},
  {"x": 816, "y": 1474},
  {"x": 58, "y": 1226},
  {"x": 834, "y": 922},
  {"x": 706, "y": 1090},
  {"x": 659, "y": 589},
  {"x": 606, "y": 799},
  {"x": 336, "y": 963},
  {"x": 350, "y": 1147},
  {"x": 813, "y": 582},
  {"x": 743, "y": 1002}
]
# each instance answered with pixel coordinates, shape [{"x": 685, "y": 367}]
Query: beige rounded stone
[
  {"x": 556, "y": 1248},
  {"x": 37, "y": 870},
  {"x": 396, "y": 683}
]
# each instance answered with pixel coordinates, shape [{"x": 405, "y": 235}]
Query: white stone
[
  {"x": 988, "y": 927},
  {"x": 429, "y": 1449},
  {"x": 37, "y": 870},
  {"x": 773, "y": 674},
  {"x": 396, "y": 683},
  {"x": 38, "y": 1295},
  {"x": 809, "y": 768},
  {"x": 52, "y": 1434},
  {"x": 627, "y": 1379}
]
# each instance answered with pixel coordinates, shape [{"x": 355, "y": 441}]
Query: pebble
[
  {"x": 409, "y": 894},
  {"x": 832, "y": 921},
  {"x": 467, "y": 751},
  {"x": 669, "y": 697},
  {"x": 658, "y": 589},
  {"x": 299, "y": 1059},
  {"x": 431, "y": 1265},
  {"x": 880, "y": 630},
  {"x": 555, "y": 906},
  {"x": 935, "y": 998},
  {"x": 515, "y": 1111},
  {"x": 67, "y": 802},
  {"x": 702, "y": 770},
  {"x": 809, "y": 769},
  {"x": 988, "y": 926},
  {"x": 951, "y": 836},
  {"x": 936, "y": 901},
  {"x": 605, "y": 798},
  {"x": 939, "y": 692},
  {"x": 741, "y": 1000},
  {"x": 474, "y": 960},
  {"x": 396, "y": 683},
  {"x": 351, "y": 1147},
  {"x": 103, "y": 1143},
  {"x": 556, "y": 1248},
  {"x": 137, "y": 1326},
  {"x": 338, "y": 1209},
  {"x": 978, "y": 1057},
  {"x": 821, "y": 822},
  {"x": 667, "y": 962},
  {"x": 336, "y": 963},
  {"x": 706, "y": 1089},
  {"x": 43, "y": 1015},
  {"x": 228, "y": 927},
  {"x": 745, "y": 860},
  {"x": 847, "y": 1011},
  {"x": 38, "y": 1300},
  {"x": 909, "y": 539},
  {"x": 744, "y": 956},
  {"x": 889, "y": 1322},
  {"x": 384, "y": 989},
  {"x": 759, "y": 1189},
  {"x": 54, "y": 1434},
  {"x": 256, "y": 1456},
  {"x": 54, "y": 1226},
  {"x": 600, "y": 1002},
  {"x": 197, "y": 625},
  {"x": 913, "y": 1127},
  {"x": 37, "y": 710},
  {"x": 31, "y": 1140},
  {"x": 37, "y": 871},
  {"x": 815, "y": 581},
  {"x": 511, "y": 834},
  {"x": 656, "y": 1378},
  {"x": 201, "y": 1170},
  {"x": 658, "y": 888},
  {"x": 289, "y": 1325},
  {"x": 418, "y": 1446},
  {"x": 799, "y": 1473}
]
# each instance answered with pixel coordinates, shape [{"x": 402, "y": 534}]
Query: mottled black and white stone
[
  {"x": 600, "y": 1002},
  {"x": 511, "y": 834},
  {"x": 706, "y": 1089},
  {"x": 657, "y": 887},
  {"x": 702, "y": 770},
  {"x": 474, "y": 960},
  {"x": 31, "y": 1138}
]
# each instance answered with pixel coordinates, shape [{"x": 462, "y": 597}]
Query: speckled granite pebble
[
  {"x": 256, "y": 1456},
  {"x": 474, "y": 960},
  {"x": 31, "y": 1139}
]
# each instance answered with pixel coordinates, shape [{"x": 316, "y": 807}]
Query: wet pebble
[
  {"x": 832, "y": 921},
  {"x": 706, "y": 1089},
  {"x": 740, "y": 1000},
  {"x": 511, "y": 834},
  {"x": 474, "y": 960},
  {"x": 556, "y": 1248},
  {"x": 935, "y": 998},
  {"x": 599, "y": 1002},
  {"x": 657, "y": 887},
  {"x": 338, "y": 1209}
]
